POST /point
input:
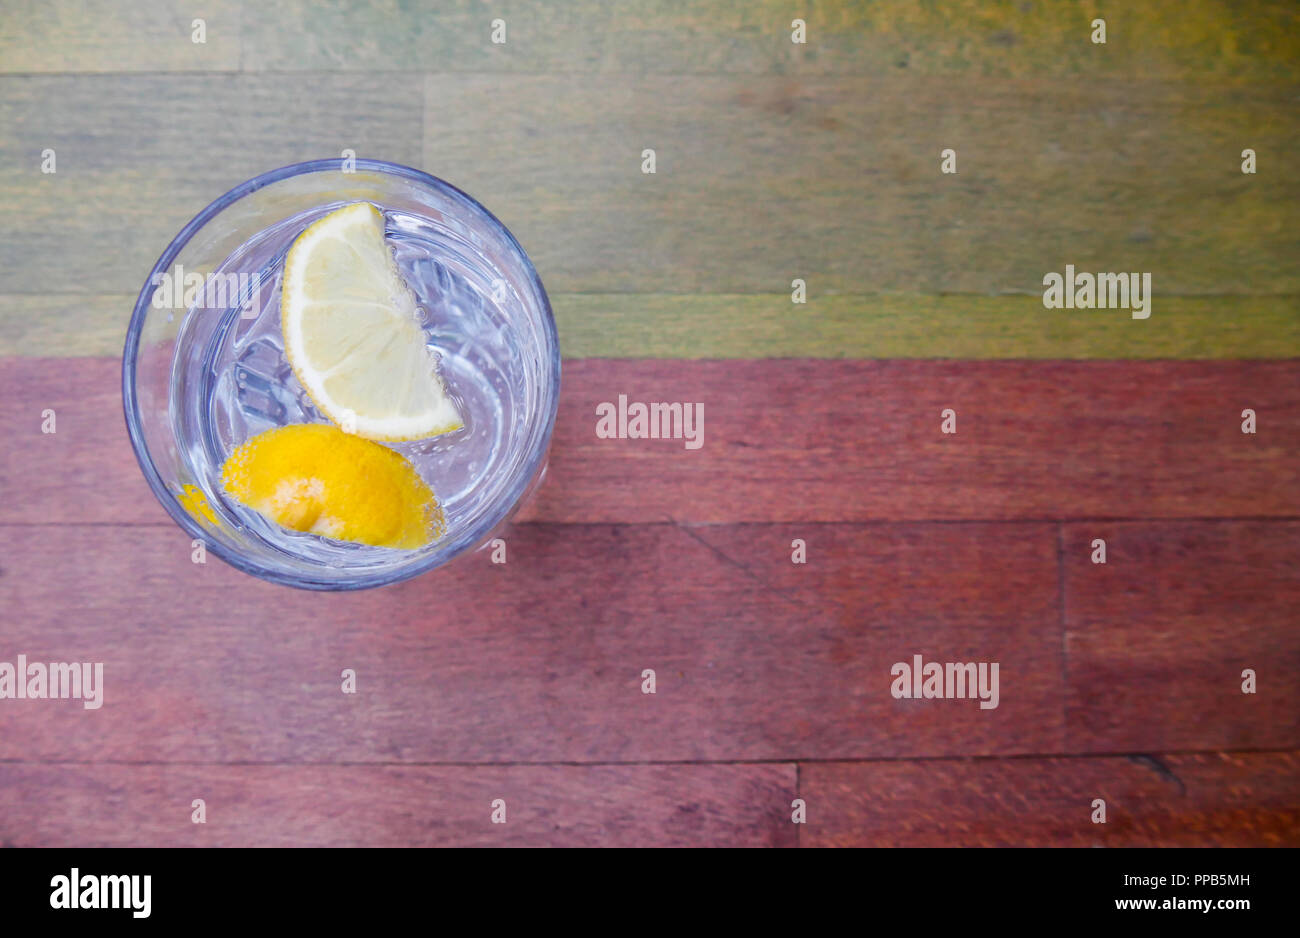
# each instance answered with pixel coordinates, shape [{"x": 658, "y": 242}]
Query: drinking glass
[{"x": 204, "y": 366}]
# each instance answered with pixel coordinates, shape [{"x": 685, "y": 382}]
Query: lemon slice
[
  {"x": 316, "y": 478},
  {"x": 352, "y": 333}
]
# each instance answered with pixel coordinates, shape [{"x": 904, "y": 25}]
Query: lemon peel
[
  {"x": 195, "y": 502},
  {"x": 316, "y": 478}
]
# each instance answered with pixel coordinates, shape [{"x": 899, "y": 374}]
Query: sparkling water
[{"x": 231, "y": 380}]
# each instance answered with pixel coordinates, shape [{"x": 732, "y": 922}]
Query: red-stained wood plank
[
  {"x": 798, "y": 440},
  {"x": 84, "y": 470},
  {"x": 540, "y": 659},
  {"x": 1212, "y": 799},
  {"x": 72, "y": 805},
  {"x": 1159, "y": 635}
]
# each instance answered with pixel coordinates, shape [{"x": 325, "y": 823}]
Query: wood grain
[
  {"x": 66, "y": 805},
  {"x": 98, "y": 476},
  {"x": 64, "y": 325},
  {"x": 1245, "y": 799},
  {"x": 138, "y": 156},
  {"x": 540, "y": 659},
  {"x": 1156, "y": 39},
  {"x": 1201, "y": 800},
  {"x": 914, "y": 326},
  {"x": 837, "y": 181},
  {"x": 832, "y": 180},
  {"x": 640, "y": 325},
  {"x": 796, "y": 440},
  {"x": 116, "y": 36},
  {"x": 775, "y": 161},
  {"x": 859, "y": 441},
  {"x": 1159, "y": 39},
  {"x": 1159, "y": 636}
]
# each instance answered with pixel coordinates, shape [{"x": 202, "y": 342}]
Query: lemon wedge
[
  {"x": 352, "y": 332},
  {"x": 316, "y": 478}
]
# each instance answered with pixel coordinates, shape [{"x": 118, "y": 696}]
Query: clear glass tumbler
[{"x": 204, "y": 366}]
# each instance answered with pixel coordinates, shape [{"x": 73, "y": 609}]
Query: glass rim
[{"x": 131, "y": 406}]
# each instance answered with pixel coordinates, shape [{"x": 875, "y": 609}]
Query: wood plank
[
  {"x": 111, "y": 36},
  {"x": 98, "y": 478},
  {"x": 1162, "y": 39},
  {"x": 541, "y": 659},
  {"x": 832, "y": 180},
  {"x": 860, "y": 441},
  {"x": 623, "y": 325},
  {"x": 138, "y": 156},
  {"x": 1159, "y": 636},
  {"x": 837, "y": 181},
  {"x": 63, "y": 805},
  {"x": 847, "y": 441},
  {"x": 912, "y": 326},
  {"x": 1237, "y": 800},
  {"x": 64, "y": 325}
]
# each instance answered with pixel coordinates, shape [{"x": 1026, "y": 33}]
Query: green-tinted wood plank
[
  {"x": 1155, "y": 39},
  {"x": 760, "y": 180},
  {"x": 837, "y": 181},
  {"x": 64, "y": 325},
  {"x": 769, "y": 326},
  {"x": 893, "y": 326},
  {"x": 119, "y": 36},
  {"x": 138, "y": 156}
]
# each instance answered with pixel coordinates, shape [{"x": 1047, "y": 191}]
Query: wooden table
[{"x": 775, "y": 162}]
